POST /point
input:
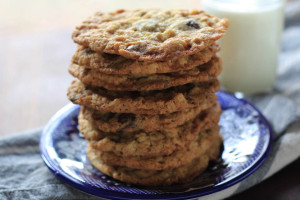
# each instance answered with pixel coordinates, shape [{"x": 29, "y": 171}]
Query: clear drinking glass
[{"x": 250, "y": 48}]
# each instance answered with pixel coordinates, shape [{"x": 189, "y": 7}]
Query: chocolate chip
[
  {"x": 193, "y": 24},
  {"x": 161, "y": 162},
  {"x": 110, "y": 56},
  {"x": 126, "y": 117},
  {"x": 88, "y": 51},
  {"x": 104, "y": 117}
]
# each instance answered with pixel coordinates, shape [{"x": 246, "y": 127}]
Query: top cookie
[{"x": 150, "y": 34}]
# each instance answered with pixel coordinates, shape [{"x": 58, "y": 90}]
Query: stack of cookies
[{"x": 146, "y": 83}]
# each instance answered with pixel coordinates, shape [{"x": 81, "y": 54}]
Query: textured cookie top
[
  {"x": 116, "y": 64},
  {"x": 202, "y": 73},
  {"x": 154, "y": 143},
  {"x": 129, "y": 122},
  {"x": 145, "y": 102},
  {"x": 204, "y": 141},
  {"x": 150, "y": 34}
]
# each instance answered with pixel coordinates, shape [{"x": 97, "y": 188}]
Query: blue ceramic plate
[{"x": 247, "y": 142}]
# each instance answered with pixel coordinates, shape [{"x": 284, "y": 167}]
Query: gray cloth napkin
[{"x": 25, "y": 176}]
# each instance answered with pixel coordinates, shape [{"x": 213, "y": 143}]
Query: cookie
[
  {"x": 145, "y": 102},
  {"x": 142, "y": 143},
  {"x": 195, "y": 149},
  {"x": 178, "y": 175},
  {"x": 116, "y": 64},
  {"x": 150, "y": 34},
  {"x": 129, "y": 122},
  {"x": 205, "y": 72}
]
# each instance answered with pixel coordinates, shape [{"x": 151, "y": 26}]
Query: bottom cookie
[{"x": 178, "y": 175}]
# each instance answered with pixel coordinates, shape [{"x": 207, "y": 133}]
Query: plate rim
[{"x": 99, "y": 192}]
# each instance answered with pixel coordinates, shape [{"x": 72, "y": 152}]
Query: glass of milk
[{"x": 250, "y": 48}]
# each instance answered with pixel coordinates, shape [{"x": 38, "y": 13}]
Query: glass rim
[{"x": 246, "y": 2}]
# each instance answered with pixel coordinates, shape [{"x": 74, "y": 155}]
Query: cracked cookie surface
[
  {"x": 142, "y": 143},
  {"x": 145, "y": 102},
  {"x": 129, "y": 122},
  {"x": 205, "y": 72},
  {"x": 198, "y": 147},
  {"x": 150, "y": 34},
  {"x": 116, "y": 64}
]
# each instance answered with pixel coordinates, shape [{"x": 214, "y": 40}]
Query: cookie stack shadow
[{"x": 148, "y": 120}]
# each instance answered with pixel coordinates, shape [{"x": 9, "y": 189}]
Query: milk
[{"x": 250, "y": 48}]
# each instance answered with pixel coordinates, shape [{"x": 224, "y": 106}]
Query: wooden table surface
[{"x": 35, "y": 52}]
